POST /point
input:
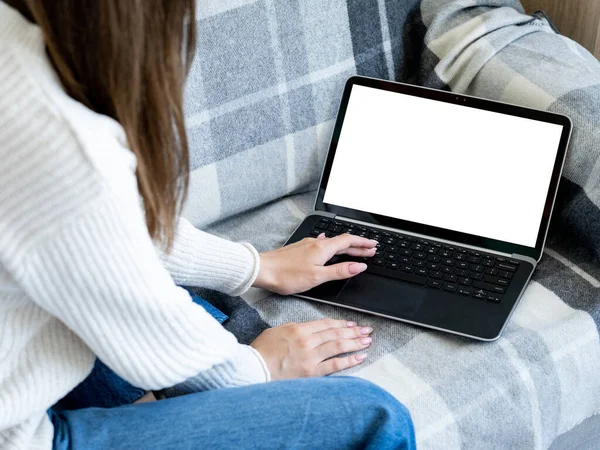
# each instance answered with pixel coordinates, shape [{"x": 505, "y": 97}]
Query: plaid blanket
[{"x": 261, "y": 99}]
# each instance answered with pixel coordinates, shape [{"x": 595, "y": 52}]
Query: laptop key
[
  {"x": 420, "y": 255},
  {"x": 434, "y": 284},
  {"x": 493, "y": 298},
  {"x": 451, "y": 278},
  {"x": 433, "y": 266},
  {"x": 489, "y": 287},
  {"x": 434, "y": 258},
  {"x": 315, "y": 232},
  {"x": 476, "y": 276},
  {"x": 465, "y": 292},
  {"x": 465, "y": 281},
  {"x": 389, "y": 240},
  {"x": 487, "y": 263},
  {"x": 393, "y": 265},
  {"x": 407, "y": 268},
  {"x": 507, "y": 275},
  {"x": 436, "y": 275},
  {"x": 491, "y": 271},
  {"x": 419, "y": 263},
  {"x": 506, "y": 267},
  {"x": 391, "y": 257},
  {"x": 391, "y": 249},
  {"x": 379, "y": 261},
  {"x": 449, "y": 287},
  {"x": 446, "y": 269},
  {"x": 462, "y": 273},
  {"x": 462, "y": 265},
  {"x": 322, "y": 225},
  {"x": 514, "y": 262},
  {"x": 404, "y": 259},
  {"x": 480, "y": 296}
]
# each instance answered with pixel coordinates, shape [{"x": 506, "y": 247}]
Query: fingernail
[
  {"x": 361, "y": 357},
  {"x": 351, "y": 324},
  {"x": 366, "y": 330},
  {"x": 357, "y": 268},
  {"x": 374, "y": 241},
  {"x": 372, "y": 250},
  {"x": 366, "y": 341}
]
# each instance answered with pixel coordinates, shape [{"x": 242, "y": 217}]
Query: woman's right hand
[{"x": 312, "y": 349}]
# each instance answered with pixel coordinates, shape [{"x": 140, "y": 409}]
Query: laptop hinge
[{"x": 424, "y": 236}]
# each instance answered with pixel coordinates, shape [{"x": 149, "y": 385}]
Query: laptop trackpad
[{"x": 383, "y": 295}]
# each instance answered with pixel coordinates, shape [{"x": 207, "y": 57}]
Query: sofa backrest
[{"x": 264, "y": 89}]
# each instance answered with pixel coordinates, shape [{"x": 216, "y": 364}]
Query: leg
[{"x": 323, "y": 413}]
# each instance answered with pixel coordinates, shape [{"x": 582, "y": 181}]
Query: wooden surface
[{"x": 578, "y": 19}]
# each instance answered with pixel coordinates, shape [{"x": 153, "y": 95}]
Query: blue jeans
[{"x": 318, "y": 413}]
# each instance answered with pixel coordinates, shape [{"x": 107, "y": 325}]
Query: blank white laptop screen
[{"x": 449, "y": 166}]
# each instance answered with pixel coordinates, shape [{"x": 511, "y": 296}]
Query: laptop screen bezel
[{"x": 436, "y": 232}]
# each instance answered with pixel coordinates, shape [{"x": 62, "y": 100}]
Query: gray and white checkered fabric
[{"x": 260, "y": 103}]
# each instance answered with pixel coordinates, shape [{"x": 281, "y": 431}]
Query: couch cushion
[{"x": 265, "y": 85}]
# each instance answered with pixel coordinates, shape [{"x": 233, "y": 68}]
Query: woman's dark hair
[{"x": 128, "y": 59}]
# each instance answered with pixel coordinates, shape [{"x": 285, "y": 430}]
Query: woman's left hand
[{"x": 301, "y": 266}]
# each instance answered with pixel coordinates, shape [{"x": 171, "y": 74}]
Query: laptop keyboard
[{"x": 432, "y": 264}]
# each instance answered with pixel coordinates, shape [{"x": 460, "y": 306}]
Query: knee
[
  {"x": 378, "y": 399},
  {"x": 387, "y": 422}
]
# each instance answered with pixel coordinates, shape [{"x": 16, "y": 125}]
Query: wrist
[{"x": 266, "y": 278}]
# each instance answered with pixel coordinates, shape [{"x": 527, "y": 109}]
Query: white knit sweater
[{"x": 79, "y": 275}]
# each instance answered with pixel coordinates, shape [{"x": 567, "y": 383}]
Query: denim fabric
[
  {"x": 318, "y": 413},
  {"x": 211, "y": 309},
  {"x": 105, "y": 389}
]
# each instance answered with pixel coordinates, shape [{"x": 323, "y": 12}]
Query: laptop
[{"x": 457, "y": 190}]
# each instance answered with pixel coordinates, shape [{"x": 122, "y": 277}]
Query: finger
[
  {"x": 345, "y": 241},
  {"x": 333, "y": 334},
  {"x": 322, "y": 236},
  {"x": 341, "y": 346},
  {"x": 316, "y": 326},
  {"x": 336, "y": 364},
  {"x": 360, "y": 252},
  {"x": 340, "y": 271}
]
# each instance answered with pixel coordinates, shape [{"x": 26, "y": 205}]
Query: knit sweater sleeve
[
  {"x": 201, "y": 259},
  {"x": 99, "y": 273}
]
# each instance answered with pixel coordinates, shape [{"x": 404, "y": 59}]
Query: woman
[{"x": 93, "y": 175}]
